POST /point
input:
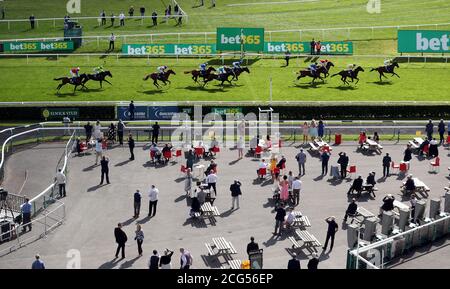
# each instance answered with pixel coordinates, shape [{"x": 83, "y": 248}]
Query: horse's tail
[
  {"x": 60, "y": 78},
  {"x": 187, "y": 72},
  {"x": 147, "y": 76}
]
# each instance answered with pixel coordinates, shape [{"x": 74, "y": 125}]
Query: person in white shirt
[
  {"x": 122, "y": 19},
  {"x": 289, "y": 219},
  {"x": 185, "y": 259},
  {"x": 98, "y": 150},
  {"x": 97, "y": 130},
  {"x": 296, "y": 187},
  {"x": 240, "y": 146},
  {"x": 211, "y": 180},
  {"x": 153, "y": 200},
  {"x": 261, "y": 165},
  {"x": 60, "y": 179}
]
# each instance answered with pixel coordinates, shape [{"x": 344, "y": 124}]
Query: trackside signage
[
  {"x": 423, "y": 41},
  {"x": 38, "y": 46},
  {"x": 59, "y": 113},
  {"x": 176, "y": 49},
  {"x": 232, "y": 39},
  {"x": 330, "y": 47}
]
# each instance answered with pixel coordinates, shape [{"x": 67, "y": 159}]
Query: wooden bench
[
  {"x": 216, "y": 211},
  {"x": 308, "y": 239},
  {"x": 295, "y": 244},
  {"x": 302, "y": 221}
]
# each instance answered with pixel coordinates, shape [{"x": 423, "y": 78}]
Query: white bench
[
  {"x": 308, "y": 239},
  {"x": 235, "y": 264},
  {"x": 295, "y": 244},
  {"x": 313, "y": 147},
  {"x": 210, "y": 249}
]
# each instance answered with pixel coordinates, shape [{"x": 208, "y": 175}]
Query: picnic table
[
  {"x": 372, "y": 145},
  {"x": 308, "y": 239},
  {"x": 363, "y": 212},
  {"x": 416, "y": 142},
  {"x": 200, "y": 169},
  {"x": 209, "y": 210},
  {"x": 300, "y": 220},
  {"x": 235, "y": 264},
  {"x": 420, "y": 186},
  {"x": 221, "y": 245},
  {"x": 318, "y": 145},
  {"x": 369, "y": 188}
]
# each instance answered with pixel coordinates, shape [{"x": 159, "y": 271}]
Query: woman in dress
[
  {"x": 112, "y": 133},
  {"x": 305, "y": 128},
  {"x": 284, "y": 189},
  {"x": 97, "y": 130},
  {"x": 313, "y": 130}
]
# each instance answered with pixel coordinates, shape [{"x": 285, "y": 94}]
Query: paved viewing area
[{"x": 93, "y": 211}]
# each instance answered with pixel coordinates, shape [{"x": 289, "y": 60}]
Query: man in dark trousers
[
  {"x": 331, "y": 232},
  {"x": 235, "y": 190},
  {"x": 32, "y": 21},
  {"x": 155, "y": 18},
  {"x": 155, "y": 132},
  {"x": 343, "y": 161},
  {"x": 112, "y": 39},
  {"x": 279, "y": 219},
  {"x": 105, "y": 169},
  {"x": 121, "y": 239},
  {"x": 356, "y": 186},
  {"x": 325, "y": 157},
  {"x": 88, "y": 129},
  {"x": 441, "y": 131},
  {"x": 312, "y": 46},
  {"x": 351, "y": 209},
  {"x": 386, "y": 165},
  {"x": 131, "y": 146},
  {"x": 314, "y": 262},
  {"x": 137, "y": 197},
  {"x": 287, "y": 56},
  {"x": 120, "y": 129},
  {"x": 103, "y": 15},
  {"x": 252, "y": 246},
  {"x": 294, "y": 264},
  {"x": 429, "y": 129},
  {"x": 131, "y": 110},
  {"x": 154, "y": 261}
]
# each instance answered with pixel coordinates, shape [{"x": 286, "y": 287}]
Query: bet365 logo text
[
  {"x": 73, "y": 6},
  {"x": 374, "y": 6}
]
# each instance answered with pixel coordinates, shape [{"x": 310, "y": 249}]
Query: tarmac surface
[{"x": 93, "y": 211}]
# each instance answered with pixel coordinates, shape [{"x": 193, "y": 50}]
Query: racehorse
[
  {"x": 220, "y": 77},
  {"x": 80, "y": 80},
  {"x": 307, "y": 72},
  {"x": 237, "y": 71},
  {"x": 344, "y": 74},
  {"x": 389, "y": 69},
  {"x": 327, "y": 69},
  {"x": 98, "y": 77},
  {"x": 156, "y": 77},
  {"x": 196, "y": 73}
]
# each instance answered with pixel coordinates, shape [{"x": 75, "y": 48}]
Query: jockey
[
  {"x": 161, "y": 70},
  {"x": 323, "y": 63},
  {"x": 236, "y": 66},
  {"x": 98, "y": 69},
  {"x": 313, "y": 67},
  {"x": 203, "y": 68},
  {"x": 222, "y": 70},
  {"x": 350, "y": 68},
  {"x": 74, "y": 73},
  {"x": 387, "y": 62}
]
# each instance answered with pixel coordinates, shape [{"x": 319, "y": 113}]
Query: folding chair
[
  {"x": 262, "y": 172},
  {"x": 395, "y": 167},
  {"x": 352, "y": 170},
  {"x": 434, "y": 165},
  {"x": 178, "y": 154},
  {"x": 258, "y": 151}
]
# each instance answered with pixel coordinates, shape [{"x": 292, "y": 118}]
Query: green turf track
[{"x": 34, "y": 82}]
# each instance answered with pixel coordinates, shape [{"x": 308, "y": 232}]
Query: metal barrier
[{"x": 378, "y": 254}]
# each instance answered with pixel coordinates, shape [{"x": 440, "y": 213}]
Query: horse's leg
[
  {"x": 381, "y": 73},
  {"x": 155, "y": 83},
  {"x": 107, "y": 81},
  {"x": 357, "y": 80},
  {"x": 393, "y": 73},
  {"x": 101, "y": 86}
]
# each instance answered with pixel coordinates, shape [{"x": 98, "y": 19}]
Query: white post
[
  {"x": 270, "y": 88},
  {"x": 357, "y": 248}
]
